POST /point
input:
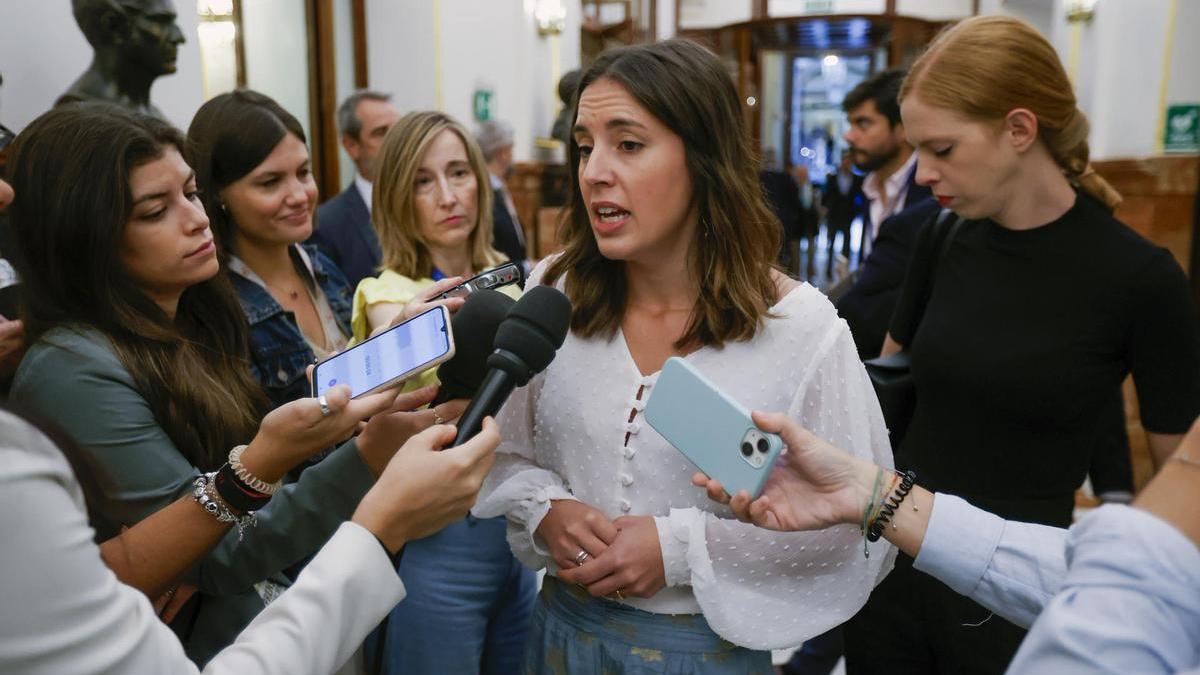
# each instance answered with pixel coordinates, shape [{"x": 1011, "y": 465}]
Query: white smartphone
[{"x": 391, "y": 357}]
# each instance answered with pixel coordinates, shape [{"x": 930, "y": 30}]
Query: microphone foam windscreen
[
  {"x": 536, "y": 326},
  {"x": 474, "y": 326}
]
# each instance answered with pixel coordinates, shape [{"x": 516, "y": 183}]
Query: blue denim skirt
[{"x": 573, "y": 632}]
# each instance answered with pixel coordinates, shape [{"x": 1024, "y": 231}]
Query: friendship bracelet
[
  {"x": 248, "y": 479},
  {"x": 882, "y": 500},
  {"x": 208, "y": 499},
  {"x": 869, "y": 509},
  {"x": 876, "y": 528}
]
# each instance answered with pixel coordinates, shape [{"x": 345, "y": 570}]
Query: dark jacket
[
  {"x": 504, "y": 230},
  {"x": 783, "y": 196},
  {"x": 842, "y": 208},
  {"x": 344, "y": 234},
  {"x": 867, "y": 307},
  {"x": 279, "y": 353}
]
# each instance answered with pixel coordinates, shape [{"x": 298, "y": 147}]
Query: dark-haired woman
[
  {"x": 253, "y": 169},
  {"x": 138, "y": 351},
  {"x": 669, "y": 251}
]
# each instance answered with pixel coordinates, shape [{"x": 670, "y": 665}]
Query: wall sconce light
[
  {"x": 551, "y": 17},
  {"x": 1081, "y": 11}
]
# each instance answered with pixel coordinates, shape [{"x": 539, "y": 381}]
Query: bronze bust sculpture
[{"x": 135, "y": 42}]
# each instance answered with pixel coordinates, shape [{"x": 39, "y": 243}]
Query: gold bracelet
[{"x": 253, "y": 482}]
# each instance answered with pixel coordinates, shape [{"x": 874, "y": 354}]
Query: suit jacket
[
  {"x": 504, "y": 230},
  {"x": 344, "y": 233},
  {"x": 841, "y": 208},
  {"x": 867, "y": 307}
]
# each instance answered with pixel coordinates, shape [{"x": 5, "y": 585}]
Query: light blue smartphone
[{"x": 711, "y": 429}]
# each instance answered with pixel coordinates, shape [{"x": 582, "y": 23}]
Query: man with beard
[
  {"x": 134, "y": 41},
  {"x": 896, "y": 207},
  {"x": 343, "y": 228}
]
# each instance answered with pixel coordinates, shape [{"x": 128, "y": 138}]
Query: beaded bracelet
[
  {"x": 250, "y": 480},
  {"x": 208, "y": 499}
]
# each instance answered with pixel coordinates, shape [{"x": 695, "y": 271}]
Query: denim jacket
[{"x": 279, "y": 352}]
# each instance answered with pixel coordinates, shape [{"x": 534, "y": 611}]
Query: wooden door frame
[{"x": 325, "y": 143}]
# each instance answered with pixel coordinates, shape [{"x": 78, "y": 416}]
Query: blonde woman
[
  {"x": 432, "y": 208},
  {"x": 469, "y": 600},
  {"x": 1041, "y": 306}
]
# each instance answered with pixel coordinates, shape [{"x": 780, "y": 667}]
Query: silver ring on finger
[
  {"x": 437, "y": 419},
  {"x": 581, "y": 557},
  {"x": 324, "y": 405}
]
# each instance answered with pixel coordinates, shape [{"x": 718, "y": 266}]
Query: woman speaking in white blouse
[{"x": 668, "y": 252}]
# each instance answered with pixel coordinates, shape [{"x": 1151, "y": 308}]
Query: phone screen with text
[{"x": 386, "y": 356}]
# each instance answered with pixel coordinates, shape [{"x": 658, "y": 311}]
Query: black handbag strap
[{"x": 945, "y": 226}]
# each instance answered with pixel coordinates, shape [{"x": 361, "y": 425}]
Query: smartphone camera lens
[
  {"x": 747, "y": 449},
  {"x": 763, "y": 445}
]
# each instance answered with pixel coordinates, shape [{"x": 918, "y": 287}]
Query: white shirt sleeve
[
  {"x": 63, "y": 611},
  {"x": 1011, "y": 568},
  {"x": 517, "y": 487},
  {"x": 1130, "y": 601},
  {"x": 749, "y": 581}
]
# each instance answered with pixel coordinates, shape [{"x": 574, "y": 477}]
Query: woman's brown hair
[
  {"x": 394, "y": 208},
  {"x": 688, "y": 89},
  {"x": 229, "y": 137},
  {"x": 71, "y": 172},
  {"x": 987, "y": 66}
]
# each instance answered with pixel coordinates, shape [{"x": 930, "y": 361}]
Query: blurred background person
[
  {"x": 842, "y": 198},
  {"x": 495, "y": 140},
  {"x": 343, "y": 227}
]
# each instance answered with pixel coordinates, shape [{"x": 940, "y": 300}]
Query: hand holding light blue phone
[{"x": 711, "y": 429}]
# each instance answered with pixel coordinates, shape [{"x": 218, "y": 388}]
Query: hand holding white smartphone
[{"x": 391, "y": 357}]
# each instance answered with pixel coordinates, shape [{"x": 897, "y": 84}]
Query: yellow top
[{"x": 392, "y": 287}]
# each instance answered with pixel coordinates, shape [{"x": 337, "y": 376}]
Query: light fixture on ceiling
[
  {"x": 551, "y": 17},
  {"x": 1081, "y": 11}
]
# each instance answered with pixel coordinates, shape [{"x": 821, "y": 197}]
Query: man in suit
[
  {"x": 496, "y": 141},
  {"x": 841, "y": 198},
  {"x": 344, "y": 231},
  {"x": 895, "y": 210}
]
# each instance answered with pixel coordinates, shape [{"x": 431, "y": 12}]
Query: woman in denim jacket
[{"x": 253, "y": 167}]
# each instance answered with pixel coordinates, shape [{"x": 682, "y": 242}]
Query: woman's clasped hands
[{"x": 613, "y": 558}]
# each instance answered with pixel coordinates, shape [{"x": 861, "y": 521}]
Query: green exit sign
[
  {"x": 1183, "y": 128},
  {"x": 482, "y": 105},
  {"x": 818, "y": 7}
]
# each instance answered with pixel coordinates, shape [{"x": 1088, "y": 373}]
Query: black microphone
[
  {"x": 474, "y": 328},
  {"x": 535, "y": 327}
]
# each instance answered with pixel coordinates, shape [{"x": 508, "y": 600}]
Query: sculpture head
[{"x": 142, "y": 34}]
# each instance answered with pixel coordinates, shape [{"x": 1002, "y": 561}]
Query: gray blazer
[{"x": 129, "y": 469}]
